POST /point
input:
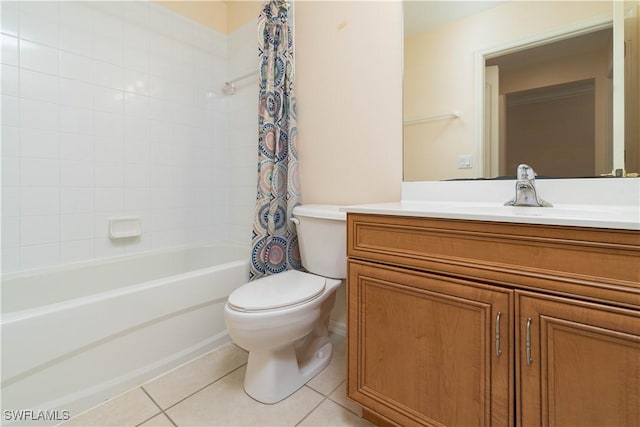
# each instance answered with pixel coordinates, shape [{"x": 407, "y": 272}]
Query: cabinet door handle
[
  {"x": 528, "y": 342},
  {"x": 498, "y": 349}
]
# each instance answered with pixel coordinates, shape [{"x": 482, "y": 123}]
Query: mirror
[{"x": 488, "y": 85}]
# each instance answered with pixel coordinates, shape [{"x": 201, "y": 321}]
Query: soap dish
[{"x": 124, "y": 226}]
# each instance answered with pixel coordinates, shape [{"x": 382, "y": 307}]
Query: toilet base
[{"x": 274, "y": 375}]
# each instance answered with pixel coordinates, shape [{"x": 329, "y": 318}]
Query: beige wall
[
  {"x": 440, "y": 75},
  {"x": 223, "y": 16},
  {"x": 349, "y": 88},
  {"x": 240, "y": 12}
]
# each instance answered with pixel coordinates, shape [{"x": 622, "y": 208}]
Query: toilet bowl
[{"x": 282, "y": 320}]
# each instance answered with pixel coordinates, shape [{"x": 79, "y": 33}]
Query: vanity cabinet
[{"x": 462, "y": 323}]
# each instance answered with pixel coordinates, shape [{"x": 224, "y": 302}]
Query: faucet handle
[{"x": 526, "y": 172}]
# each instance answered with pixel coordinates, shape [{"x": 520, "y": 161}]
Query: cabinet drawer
[{"x": 598, "y": 264}]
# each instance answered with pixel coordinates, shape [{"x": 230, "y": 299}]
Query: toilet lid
[{"x": 277, "y": 291}]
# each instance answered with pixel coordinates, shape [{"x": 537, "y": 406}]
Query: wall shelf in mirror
[{"x": 425, "y": 119}]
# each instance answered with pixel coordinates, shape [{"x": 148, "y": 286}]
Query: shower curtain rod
[
  {"x": 242, "y": 77},
  {"x": 229, "y": 88}
]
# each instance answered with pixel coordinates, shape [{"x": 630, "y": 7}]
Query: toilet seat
[{"x": 275, "y": 292}]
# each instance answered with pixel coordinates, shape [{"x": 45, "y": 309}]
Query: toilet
[{"x": 282, "y": 320}]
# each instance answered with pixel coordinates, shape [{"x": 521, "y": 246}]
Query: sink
[
  {"x": 563, "y": 211},
  {"x": 601, "y": 203}
]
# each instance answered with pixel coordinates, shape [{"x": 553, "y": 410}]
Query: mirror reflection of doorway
[
  {"x": 552, "y": 127},
  {"x": 553, "y": 108}
]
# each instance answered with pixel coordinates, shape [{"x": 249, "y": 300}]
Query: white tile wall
[
  {"x": 241, "y": 128},
  {"x": 114, "y": 108},
  {"x": 9, "y": 51}
]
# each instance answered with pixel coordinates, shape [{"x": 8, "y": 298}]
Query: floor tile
[
  {"x": 128, "y": 409},
  {"x": 179, "y": 383},
  {"x": 340, "y": 397},
  {"x": 331, "y": 377},
  {"x": 330, "y": 414},
  {"x": 159, "y": 420},
  {"x": 225, "y": 403}
]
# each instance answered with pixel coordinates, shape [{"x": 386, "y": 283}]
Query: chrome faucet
[{"x": 526, "y": 189}]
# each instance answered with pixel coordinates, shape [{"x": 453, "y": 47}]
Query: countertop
[
  {"x": 615, "y": 217},
  {"x": 600, "y": 203}
]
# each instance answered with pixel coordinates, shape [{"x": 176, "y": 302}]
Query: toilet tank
[{"x": 322, "y": 238}]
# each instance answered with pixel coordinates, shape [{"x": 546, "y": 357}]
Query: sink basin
[
  {"x": 561, "y": 211},
  {"x": 600, "y": 203}
]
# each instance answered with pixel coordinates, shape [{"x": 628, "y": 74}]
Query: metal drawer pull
[
  {"x": 498, "y": 349},
  {"x": 528, "y": 342}
]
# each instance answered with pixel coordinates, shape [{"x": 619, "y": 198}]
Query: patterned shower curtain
[{"x": 274, "y": 240}]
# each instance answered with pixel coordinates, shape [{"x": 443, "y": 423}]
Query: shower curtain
[{"x": 274, "y": 239}]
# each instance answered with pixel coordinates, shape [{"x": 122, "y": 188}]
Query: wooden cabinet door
[
  {"x": 578, "y": 363},
  {"x": 429, "y": 350}
]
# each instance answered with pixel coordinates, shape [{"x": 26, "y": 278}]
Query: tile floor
[{"x": 208, "y": 392}]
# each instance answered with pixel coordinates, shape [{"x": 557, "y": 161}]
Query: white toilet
[{"x": 282, "y": 320}]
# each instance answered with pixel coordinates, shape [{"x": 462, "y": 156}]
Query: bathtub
[{"x": 75, "y": 335}]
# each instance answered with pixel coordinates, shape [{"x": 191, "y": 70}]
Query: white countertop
[
  {"x": 617, "y": 217},
  {"x": 600, "y": 203}
]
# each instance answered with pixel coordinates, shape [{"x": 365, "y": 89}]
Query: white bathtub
[{"x": 73, "y": 336}]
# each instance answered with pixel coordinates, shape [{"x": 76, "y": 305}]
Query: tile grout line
[
  {"x": 203, "y": 387},
  {"x": 344, "y": 407},
  {"x": 158, "y": 406},
  {"x": 328, "y": 397},
  {"x": 324, "y": 398},
  {"x": 340, "y": 404},
  {"x": 330, "y": 392},
  {"x": 20, "y": 194}
]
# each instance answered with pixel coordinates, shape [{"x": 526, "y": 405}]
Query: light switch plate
[{"x": 464, "y": 161}]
